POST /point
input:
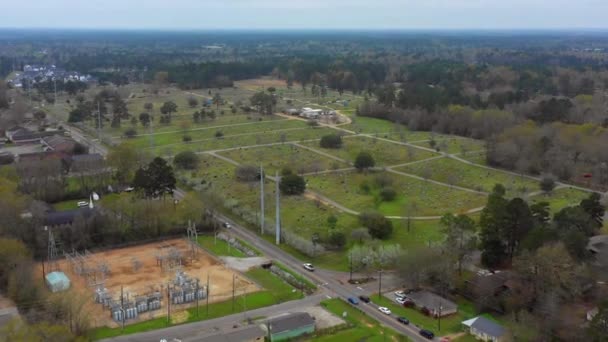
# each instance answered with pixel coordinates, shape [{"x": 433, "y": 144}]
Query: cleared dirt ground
[{"x": 150, "y": 277}]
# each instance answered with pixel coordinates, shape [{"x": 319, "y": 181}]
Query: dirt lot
[{"x": 150, "y": 277}]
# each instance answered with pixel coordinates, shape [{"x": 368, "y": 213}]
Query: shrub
[
  {"x": 547, "y": 183},
  {"x": 377, "y": 225},
  {"x": 292, "y": 185},
  {"x": 186, "y": 160},
  {"x": 388, "y": 194},
  {"x": 337, "y": 239},
  {"x": 331, "y": 141},
  {"x": 219, "y": 134},
  {"x": 130, "y": 133},
  {"x": 247, "y": 173},
  {"x": 364, "y": 161},
  {"x": 186, "y": 138}
]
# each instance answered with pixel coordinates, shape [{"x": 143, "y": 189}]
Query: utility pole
[
  {"x": 168, "y": 304},
  {"x": 98, "y": 124},
  {"x": 439, "y": 316},
  {"x": 379, "y": 284},
  {"x": 233, "y": 288},
  {"x": 350, "y": 257},
  {"x": 151, "y": 135},
  {"x": 122, "y": 307},
  {"x": 278, "y": 210},
  {"x": 208, "y": 292},
  {"x": 196, "y": 295},
  {"x": 55, "y": 84},
  {"x": 262, "y": 199}
]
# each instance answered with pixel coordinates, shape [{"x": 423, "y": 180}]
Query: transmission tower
[
  {"x": 262, "y": 199},
  {"x": 278, "y": 211},
  {"x": 52, "y": 252},
  {"x": 192, "y": 238}
]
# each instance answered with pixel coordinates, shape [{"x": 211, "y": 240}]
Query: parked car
[
  {"x": 308, "y": 267},
  {"x": 353, "y": 300},
  {"x": 399, "y": 294},
  {"x": 403, "y": 320},
  {"x": 82, "y": 204},
  {"x": 427, "y": 333},
  {"x": 385, "y": 310},
  {"x": 365, "y": 299},
  {"x": 400, "y": 300}
]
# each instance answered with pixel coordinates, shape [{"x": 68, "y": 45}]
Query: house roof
[
  {"x": 290, "y": 322},
  {"x": 431, "y": 301},
  {"x": 485, "y": 326},
  {"x": 57, "y": 142},
  {"x": 87, "y": 157},
  {"x": 238, "y": 335},
  {"x": 59, "y": 218}
]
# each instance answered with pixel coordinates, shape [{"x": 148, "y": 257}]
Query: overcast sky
[{"x": 297, "y": 14}]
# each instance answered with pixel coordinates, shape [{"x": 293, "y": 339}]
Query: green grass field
[
  {"x": 241, "y": 140},
  {"x": 561, "y": 198},
  {"x": 275, "y": 158},
  {"x": 384, "y": 153},
  {"x": 347, "y": 188},
  {"x": 243, "y": 303},
  {"x": 363, "y": 328},
  {"x": 209, "y": 132},
  {"x": 452, "y": 171},
  {"x": 219, "y": 247},
  {"x": 453, "y": 145},
  {"x": 68, "y": 205}
]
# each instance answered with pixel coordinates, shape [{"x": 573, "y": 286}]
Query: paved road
[
  {"x": 326, "y": 279},
  {"x": 195, "y": 331}
]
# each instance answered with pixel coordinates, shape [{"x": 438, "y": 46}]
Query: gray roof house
[
  {"x": 437, "y": 305},
  {"x": 598, "y": 246},
  {"x": 290, "y": 326},
  {"x": 485, "y": 329}
]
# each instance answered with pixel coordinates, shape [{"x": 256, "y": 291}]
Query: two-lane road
[{"x": 324, "y": 278}]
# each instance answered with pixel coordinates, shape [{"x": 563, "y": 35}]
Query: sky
[{"x": 305, "y": 14}]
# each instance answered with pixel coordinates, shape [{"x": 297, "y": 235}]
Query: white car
[
  {"x": 227, "y": 225},
  {"x": 82, "y": 203},
  {"x": 384, "y": 310},
  {"x": 399, "y": 294},
  {"x": 309, "y": 267},
  {"x": 400, "y": 300}
]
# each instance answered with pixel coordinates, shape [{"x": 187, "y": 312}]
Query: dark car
[
  {"x": 403, "y": 320},
  {"x": 353, "y": 300},
  {"x": 365, "y": 299},
  {"x": 427, "y": 333}
]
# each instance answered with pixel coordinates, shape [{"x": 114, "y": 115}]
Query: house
[
  {"x": 66, "y": 217},
  {"x": 437, "y": 305},
  {"x": 484, "y": 329},
  {"x": 290, "y": 326},
  {"x": 252, "y": 333},
  {"x": 310, "y": 113},
  {"x": 58, "y": 143},
  {"x": 93, "y": 162},
  {"x": 489, "y": 288},
  {"x": 38, "y": 156},
  {"x": 21, "y": 135},
  {"x": 591, "y": 313},
  {"x": 598, "y": 247}
]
